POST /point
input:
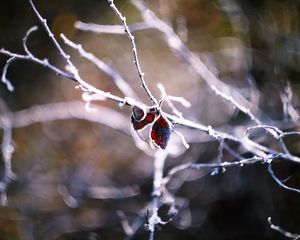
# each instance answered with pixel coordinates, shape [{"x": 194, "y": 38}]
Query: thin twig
[
  {"x": 111, "y": 29},
  {"x": 282, "y": 231},
  {"x": 123, "y": 86},
  {"x": 195, "y": 62},
  {"x": 7, "y": 151},
  {"x": 52, "y": 38},
  {"x": 279, "y": 182},
  {"x": 134, "y": 50},
  {"x": 65, "y": 111},
  {"x": 197, "y": 166},
  {"x": 4, "y": 79},
  {"x": 43, "y": 62},
  {"x": 154, "y": 218}
]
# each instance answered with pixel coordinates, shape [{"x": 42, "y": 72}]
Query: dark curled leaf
[
  {"x": 138, "y": 125},
  {"x": 140, "y": 118},
  {"x": 138, "y": 113},
  {"x": 161, "y": 132}
]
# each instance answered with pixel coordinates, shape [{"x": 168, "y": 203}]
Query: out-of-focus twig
[
  {"x": 282, "y": 231},
  {"x": 7, "y": 151},
  {"x": 111, "y": 29}
]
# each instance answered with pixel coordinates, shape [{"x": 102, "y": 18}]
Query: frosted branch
[
  {"x": 122, "y": 85},
  {"x": 134, "y": 50}
]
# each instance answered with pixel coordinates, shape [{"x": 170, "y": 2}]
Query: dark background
[{"x": 262, "y": 49}]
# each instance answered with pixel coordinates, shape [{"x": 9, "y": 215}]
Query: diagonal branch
[{"x": 135, "y": 55}]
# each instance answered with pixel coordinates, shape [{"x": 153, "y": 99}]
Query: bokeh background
[{"x": 64, "y": 167}]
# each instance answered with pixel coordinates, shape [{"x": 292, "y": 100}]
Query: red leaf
[
  {"x": 138, "y": 113},
  {"x": 161, "y": 132},
  {"x": 140, "y": 119}
]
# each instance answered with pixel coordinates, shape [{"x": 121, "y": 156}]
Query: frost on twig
[
  {"x": 134, "y": 50},
  {"x": 227, "y": 155},
  {"x": 170, "y": 99},
  {"x": 123, "y": 86}
]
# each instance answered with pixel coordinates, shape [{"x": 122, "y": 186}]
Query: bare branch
[
  {"x": 111, "y": 29},
  {"x": 7, "y": 151},
  {"x": 197, "y": 166},
  {"x": 154, "y": 218},
  {"x": 282, "y": 231},
  {"x": 42, "y": 62},
  {"x": 135, "y": 55},
  {"x": 67, "y": 110},
  {"x": 31, "y": 30},
  {"x": 169, "y": 100},
  {"x": 43, "y": 21},
  {"x": 123, "y": 86},
  {"x": 279, "y": 182},
  {"x": 175, "y": 43},
  {"x": 4, "y": 79}
]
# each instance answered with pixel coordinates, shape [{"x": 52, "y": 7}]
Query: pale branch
[
  {"x": 250, "y": 145},
  {"x": 175, "y": 43},
  {"x": 43, "y": 62},
  {"x": 286, "y": 96},
  {"x": 86, "y": 87},
  {"x": 197, "y": 166},
  {"x": 247, "y": 143},
  {"x": 110, "y": 29},
  {"x": 122, "y": 85},
  {"x": 276, "y": 133},
  {"x": 170, "y": 99},
  {"x": 7, "y": 151},
  {"x": 218, "y": 170},
  {"x": 74, "y": 110},
  {"x": 4, "y": 79},
  {"x": 134, "y": 50},
  {"x": 43, "y": 21},
  {"x": 64, "y": 111},
  {"x": 282, "y": 231},
  {"x": 256, "y": 148},
  {"x": 25, "y": 39},
  {"x": 279, "y": 182},
  {"x": 154, "y": 218},
  {"x": 125, "y": 223},
  {"x": 151, "y": 21}
]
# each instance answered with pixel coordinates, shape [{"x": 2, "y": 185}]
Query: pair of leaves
[{"x": 161, "y": 128}]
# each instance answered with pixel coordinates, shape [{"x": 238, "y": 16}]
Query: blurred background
[{"x": 77, "y": 179}]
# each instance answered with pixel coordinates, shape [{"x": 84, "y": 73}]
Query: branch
[
  {"x": 135, "y": 55},
  {"x": 279, "y": 182},
  {"x": 154, "y": 218},
  {"x": 197, "y": 166},
  {"x": 176, "y": 44},
  {"x": 42, "y": 62},
  {"x": 70, "y": 66},
  {"x": 282, "y": 231},
  {"x": 64, "y": 111},
  {"x": 7, "y": 151},
  {"x": 111, "y": 29},
  {"x": 122, "y": 85}
]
